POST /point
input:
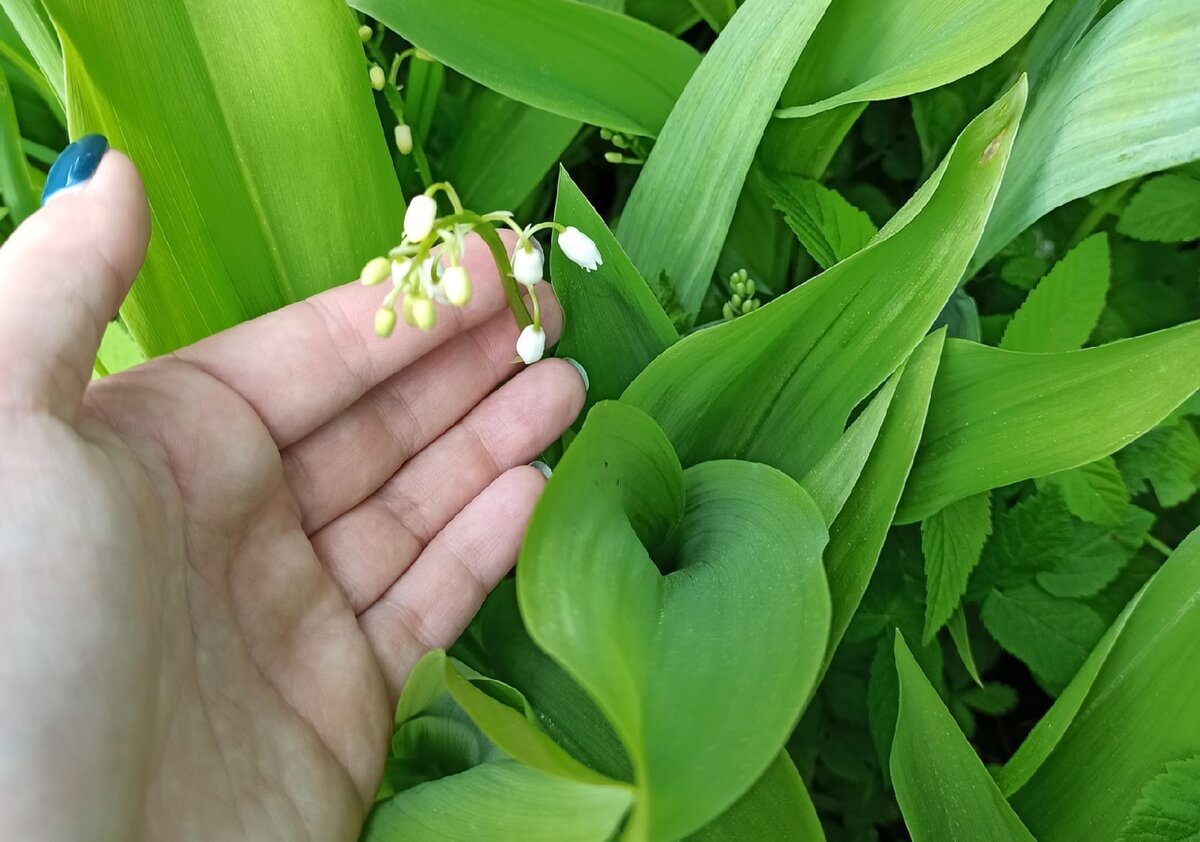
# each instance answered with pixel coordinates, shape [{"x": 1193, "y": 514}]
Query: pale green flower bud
[
  {"x": 375, "y": 272},
  {"x": 424, "y": 313},
  {"x": 385, "y": 322},
  {"x": 365, "y": 33},
  {"x": 378, "y": 77},
  {"x": 404, "y": 139}
]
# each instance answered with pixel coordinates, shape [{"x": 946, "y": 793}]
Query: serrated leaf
[
  {"x": 992, "y": 699},
  {"x": 578, "y": 61},
  {"x": 944, "y": 790},
  {"x": 1169, "y": 459},
  {"x": 1052, "y": 635},
  {"x": 1122, "y": 103},
  {"x": 675, "y": 223},
  {"x": 1062, "y": 310},
  {"x": 952, "y": 541},
  {"x": 1094, "y": 492},
  {"x": 1169, "y": 808},
  {"x": 830, "y": 228},
  {"x": 1096, "y": 555},
  {"x": 999, "y": 417},
  {"x": 1165, "y": 210},
  {"x": 1033, "y": 535}
]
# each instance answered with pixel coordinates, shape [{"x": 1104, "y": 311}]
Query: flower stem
[
  {"x": 512, "y": 291},
  {"x": 396, "y": 104}
]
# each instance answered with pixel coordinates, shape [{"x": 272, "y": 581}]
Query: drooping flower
[
  {"x": 531, "y": 344},
  {"x": 385, "y": 322},
  {"x": 375, "y": 272},
  {"x": 528, "y": 262},
  {"x": 579, "y": 249},
  {"x": 419, "y": 218},
  {"x": 404, "y": 139},
  {"x": 424, "y": 313},
  {"x": 456, "y": 285}
]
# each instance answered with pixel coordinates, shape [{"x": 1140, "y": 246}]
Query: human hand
[{"x": 217, "y": 569}]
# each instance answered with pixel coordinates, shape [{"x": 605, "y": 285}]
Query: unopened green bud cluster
[{"x": 741, "y": 299}]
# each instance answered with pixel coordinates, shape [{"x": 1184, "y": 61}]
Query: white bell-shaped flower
[
  {"x": 429, "y": 273},
  {"x": 528, "y": 263},
  {"x": 456, "y": 285},
  {"x": 531, "y": 344},
  {"x": 579, "y": 249},
  {"x": 419, "y": 218}
]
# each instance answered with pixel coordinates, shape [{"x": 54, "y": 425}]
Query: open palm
[{"x": 217, "y": 569}]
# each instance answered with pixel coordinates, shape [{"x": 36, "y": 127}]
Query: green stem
[
  {"x": 15, "y": 182},
  {"x": 512, "y": 290},
  {"x": 392, "y": 95},
  {"x": 1100, "y": 211},
  {"x": 1163, "y": 548}
]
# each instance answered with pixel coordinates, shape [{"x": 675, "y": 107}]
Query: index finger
[{"x": 302, "y": 365}]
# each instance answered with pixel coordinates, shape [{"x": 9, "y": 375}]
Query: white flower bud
[
  {"x": 419, "y": 218},
  {"x": 378, "y": 77},
  {"x": 579, "y": 249},
  {"x": 385, "y": 322},
  {"x": 404, "y": 140},
  {"x": 528, "y": 263},
  {"x": 456, "y": 284},
  {"x": 365, "y": 33},
  {"x": 531, "y": 344},
  {"x": 375, "y": 272}
]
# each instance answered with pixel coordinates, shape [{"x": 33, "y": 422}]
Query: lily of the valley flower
[
  {"x": 378, "y": 77},
  {"x": 419, "y": 218},
  {"x": 404, "y": 139},
  {"x": 579, "y": 249},
  {"x": 531, "y": 344},
  {"x": 456, "y": 286},
  {"x": 376, "y": 272},
  {"x": 528, "y": 262}
]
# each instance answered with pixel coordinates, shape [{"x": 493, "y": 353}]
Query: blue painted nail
[
  {"x": 543, "y": 467},
  {"x": 75, "y": 166},
  {"x": 587, "y": 383}
]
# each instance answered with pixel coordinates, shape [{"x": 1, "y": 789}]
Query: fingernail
[
  {"x": 587, "y": 384},
  {"x": 75, "y": 166},
  {"x": 543, "y": 467}
]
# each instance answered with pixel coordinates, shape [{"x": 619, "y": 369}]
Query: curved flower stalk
[{"x": 426, "y": 269}]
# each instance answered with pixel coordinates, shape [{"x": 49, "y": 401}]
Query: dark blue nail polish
[{"x": 76, "y": 165}]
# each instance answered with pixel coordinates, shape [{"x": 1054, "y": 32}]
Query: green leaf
[
  {"x": 1121, "y": 104},
  {"x": 1138, "y": 714},
  {"x": 961, "y": 637},
  {"x": 1169, "y": 459},
  {"x": 944, "y": 790},
  {"x": 1165, "y": 210},
  {"x": 746, "y": 588},
  {"x": 501, "y": 801},
  {"x": 999, "y": 417},
  {"x": 952, "y": 541},
  {"x": 674, "y": 16},
  {"x": 776, "y": 807},
  {"x": 858, "y": 533},
  {"x": 1096, "y": 555},
  {"x": 867, "y": 50},
  {"x": 1032, "y": 536},
  {"x": 778, "y": 385},
  {"x": 255, "y": 204},
  {"x": 716, "y": 13},
  {"x": 1169, "y": 809},
  {"x": 15, "y": 183},
  {"x": 1062, "y": 310},
  {"x": 503, "y": 150},
  {"x": 575, "y": 60},
  {"x": 118, "y": 350},
  {"x": 992, "y": 699},
  {"x": 830, "y": 228},
  {"x": 679, "y": 212},
  {"x": 30, "y": 20},
  {"x": 613, "y": 324},
  {"x": 1095, "y": 492},
  {"x": 1052, "y": 635}
]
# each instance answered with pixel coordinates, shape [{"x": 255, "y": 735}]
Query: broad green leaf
[
  {"x": 31, "y": 22},
  {"x": 1169, "y": 809},
  {"x": 503, "y": 150},
  {"x": 118, "y": 350},
  {"x": 254, "y": 203},
  {"x": 1095, "y": 492},
  {"x": 679, "y": 212},
  {"x": 952, "y": 541},
  {"x": 1057, "y": 33},
  {"x": 1165, "y": 210},
  {"x": 613, "y": 324},
  {"x": 830, "y": 228},
  {"x": 425, "y": 79},
  {"x": 1051, "y": 634},
  {"x": 778, "y": 385},
  {"x": 716, "y": 13},
  {"x": 501, "y": 801},
  {"x": 674, "y": 16},
  {"x": 883, "y": 49},
  {"x": 15, "y": 183},
  {"x": 742, "y": 543},
  {"x": 1062, "y": 310},
  {"x": 578, "y": 61},
  {"x": 944, "y": 790},
  {"x": 1121, "y": 104},
  {"x": 999, "y": 417},
  {"x": 858, "y": 533},
  {"x": 1139, "y": 715},
  {"x": 1096, "y": 555},
  {"x": 776, "y": 807}
]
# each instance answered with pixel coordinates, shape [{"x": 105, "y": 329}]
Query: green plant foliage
[
  {"x": 943, "y": 788},
  {"x": 1062, "y": 310},
  {"x": 673, "y": 224},
  {"x": 1169, "y": 808},
  {"x": 1119, "y": 104},
  {"x": 776, "y": 807},
  {"x": 1165, "y": 210},
  {"x": 803, "y": 362},
  {"x": 830, "y": 228},
  {"x": 992, "y": 409},
  {"x": 1089, "y": 783},
  {"x": 868, "y": 50},
  {"x": 621, "y": 325},
  {"x": 29, "y": 19},
  {"x": 222, "y": 158},
  {"x": 578, "y": 61},
  {"x": 952, "y": 541},
  {"x": 1095, "y": 492},
  {"x": 593, "y": 598}
]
